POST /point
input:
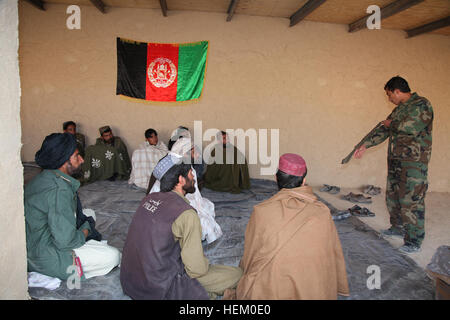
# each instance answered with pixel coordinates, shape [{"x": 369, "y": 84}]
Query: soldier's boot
[
  {"x": 393, "y": 232},
  {"x": 409, "y": 248}
]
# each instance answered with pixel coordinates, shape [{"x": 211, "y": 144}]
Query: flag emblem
[{"x": 162, "y": 72}]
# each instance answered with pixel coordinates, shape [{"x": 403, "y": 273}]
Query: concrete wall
[
  {"x": 319, "y": 85},
  {"x": 13, "y": 262}
]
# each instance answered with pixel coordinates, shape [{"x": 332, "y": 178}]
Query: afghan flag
[{"x": 161, "y": 71}]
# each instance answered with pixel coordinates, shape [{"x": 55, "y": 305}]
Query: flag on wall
[{"x": 161, "y": 71}]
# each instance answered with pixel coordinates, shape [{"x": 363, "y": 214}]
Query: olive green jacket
[
  {"x": 50, "y": 223},
  {"x": 121, "y": 149},
  {"x": 228, "y": 177}
]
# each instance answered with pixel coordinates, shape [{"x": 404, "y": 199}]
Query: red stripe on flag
[{"x": 162, "y": 72}]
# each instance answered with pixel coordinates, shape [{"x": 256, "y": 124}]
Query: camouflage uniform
[{"x": 409, "y": 152}]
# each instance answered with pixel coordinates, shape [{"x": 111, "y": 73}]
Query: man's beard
[
  {"x": 72, "y": 170},
  {"x": 189, "y": 187}
]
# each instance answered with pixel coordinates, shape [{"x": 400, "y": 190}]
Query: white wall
[{"x": 13, "y": 265}]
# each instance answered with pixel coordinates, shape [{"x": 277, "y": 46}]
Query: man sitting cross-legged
[
  {"x": 163, "y": 255},
  {"x": 54, "y": 242},
  {"x": 211, "y": 230},
  {"x": 228, "y": 173},
  {"x": 292, "y": 249},
  {"x": 145, "y": 159},
  {"x": 71, "y": 127},
  {"x": 108, "y": 159}
]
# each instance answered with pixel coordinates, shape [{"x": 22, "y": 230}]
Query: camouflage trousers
[{"x": 405, "y": 198}]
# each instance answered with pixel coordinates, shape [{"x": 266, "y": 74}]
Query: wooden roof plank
[
  {"x": 387, "y": 11},
  {"x": 442, "y": 23},
  {"x": 163, "y": 5},
  {"x": 304, "y": 11},
  {"x": 99, "y": 5},
  {"x": 38, "y": 4},
  {"x": 231, "y": 9}
]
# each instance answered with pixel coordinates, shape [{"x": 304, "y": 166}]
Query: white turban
[
  {"x": 180, "y": 133},
  {"x": 182, "y": 146}
]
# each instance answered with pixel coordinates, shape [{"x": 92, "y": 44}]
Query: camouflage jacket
[{"x": 409, "y": 133}]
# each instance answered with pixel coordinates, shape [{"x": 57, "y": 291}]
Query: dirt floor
[{"x": 437, "y": 219}]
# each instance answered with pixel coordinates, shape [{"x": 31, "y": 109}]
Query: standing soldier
[{"x": 408, "y": 128}]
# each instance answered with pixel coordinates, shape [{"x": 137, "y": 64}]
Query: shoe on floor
[
  {"x": 409, "y": 248},
  {"x": 334, "y": 190},
  {"x": 393, "y": 232},
  {"x": 361, "y": 212},
  {"x": 330, "y": 189},
  {"x": 340, "y": 215},
  {"x": 372, "y": 190},
  {"x": 357, "y": 198}
]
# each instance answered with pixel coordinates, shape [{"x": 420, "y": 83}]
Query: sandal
[
  {"x": 340, "y": 215},
  {"x": 372, "y": 190},
  {"x": 357, "y": 198},
  {"x": 330, "y": 189},
  {"x": 357, "y": 211}
]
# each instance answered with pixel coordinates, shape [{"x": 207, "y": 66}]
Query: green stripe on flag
[{"x": 191, "y": 70}]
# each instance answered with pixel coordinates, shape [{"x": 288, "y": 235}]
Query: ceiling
[{"x": 416, "y": 17}]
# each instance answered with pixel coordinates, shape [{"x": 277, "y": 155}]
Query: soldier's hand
[
  {"x": 386, "y": 122},
  {"x": 359, "y": 152}
]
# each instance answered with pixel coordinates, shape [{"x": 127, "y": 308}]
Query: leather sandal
[
  {"x": 357, "y": 211},
  {"x": 357, "y": 198}
]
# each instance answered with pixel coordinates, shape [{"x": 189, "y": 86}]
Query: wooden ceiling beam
[
  {"x": 38, "y": 4},
  {"x": 304, "y": 11},
  {"x": 163, "y": 5},
  {"x": 99, "y": 5},
  {"x": 428, "y": 27},
  {"x": 232, "y": 9},
  {"x": 387, "y": 11}
]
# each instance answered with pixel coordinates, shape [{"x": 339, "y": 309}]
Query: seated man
[
  {"x": 171, "y": 264},
  {"x": 180, "y": 132},
  {"x": 183, "y": 132},
  {"x": 71, "y": 127},
  {"x": 224, "y": 176},
  {"x": 108, "y": 159},
  {"x": 211, "y": 230},
  {"x": 145, "y": 159},
  {"x": 54, "y": 243},
  {"x": 292, "y": 249}
]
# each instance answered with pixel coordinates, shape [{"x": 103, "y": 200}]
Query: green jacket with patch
[{"x": 50, "y": 223}]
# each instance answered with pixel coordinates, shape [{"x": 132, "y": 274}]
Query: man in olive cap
[
  {"x": 54, "y": 243},
  {"x": 108, "y": 159},
  {"x": 292, "y": 249}
]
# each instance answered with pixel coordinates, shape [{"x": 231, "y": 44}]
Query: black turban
[{"x": 56, "y": 150}]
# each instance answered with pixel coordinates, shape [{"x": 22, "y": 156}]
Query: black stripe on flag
[{"x": 131, "y": 68}]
